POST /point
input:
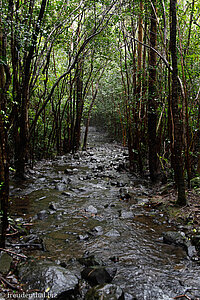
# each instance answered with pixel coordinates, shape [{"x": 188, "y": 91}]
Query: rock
[
  {"x": 66, "y": 194},
  {"x": 105, "y": 292},
  {"x": 142, "y": 201},
  {"x": 196, "y": 241},
  {"x": 60, "y": 187},
  {"x": 43, "y": 214},
  {"x": 98, "y": 275},
  {"x": 120, "y": 184},
  {"x": 45, "y": 275},
  {"x": 180, "y": 239},
  {"x": 128, "y": 296},
  {"x": 112, "y": 233},
  {"x": 52, "y": 206},
  {"x": 126, "y": 214},
  {"x": 98, "y": 230},
  {"x": 5, "y": 262},
  {"x": 90, "y": 261},
  {"x": 124, "y": 193},
  {"x": 68, "y": 171},
  {"x": 83, "y": 237},
  {"x": 192, "y": 253},
  {"x": 114, "y": 259},
  {"x": 76, "y": 156},
  {"x": 91, "y": 209},
  {"x": 121, "y": 167}
]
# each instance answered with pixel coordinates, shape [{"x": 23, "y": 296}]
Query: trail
[{"x": 89, "y": 203}]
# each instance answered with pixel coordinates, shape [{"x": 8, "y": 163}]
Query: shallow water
[{"x": 146, "y": 267}]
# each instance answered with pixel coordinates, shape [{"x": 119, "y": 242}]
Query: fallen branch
[
  {"x": 13, "y": 287},
  {"x": 181, "y": 296},
  {"x": 10, "y": 251}
]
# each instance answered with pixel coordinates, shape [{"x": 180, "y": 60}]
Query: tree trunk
[
  {"x": 79, "y": 107},
  {"x": 24, "y": 96},
  {"x": 152, "y": 100},
  {"x": 88, "y": 118},
  {"x": 177, "y": 134},
  {"x": 4, "y": 167}
]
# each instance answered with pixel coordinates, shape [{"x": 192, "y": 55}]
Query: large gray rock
[
  {"x": 98, "y": 275},
  {"x": 105, "y": 292},
  {"x": 90, "y": 261},
  {"x": 180, "y": 239},
  {"x": 46, "y": 276}
]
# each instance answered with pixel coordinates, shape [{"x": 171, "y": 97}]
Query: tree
[
  {"x": 4, "y": 165},
  {"x": 152, "y": 98},
  {"x": 177, "y": 126}
]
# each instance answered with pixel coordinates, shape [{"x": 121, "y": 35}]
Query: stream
[{"x": 88, "y": 203}]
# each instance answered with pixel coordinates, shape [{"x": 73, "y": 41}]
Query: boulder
[
  {"x": 105, "y": 292},
  {"x": 46, "y": 276},
  {"x": 90, "y": 261},
  {"x": 98, "y": 275},
  {"x": 180, "y": 239}
]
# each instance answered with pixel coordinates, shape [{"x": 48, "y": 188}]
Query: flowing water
[{"x": 85, "y": 191}]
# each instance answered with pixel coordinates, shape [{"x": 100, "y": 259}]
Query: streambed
[{"x": 88, "y": 203}]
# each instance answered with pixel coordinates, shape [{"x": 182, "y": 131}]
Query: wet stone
[
  {"x": 53, "y": 206},
  {"x": 76, "y": 156},
  {"x": 83, "y": 237},
  {"x": 43, "y": 214},
  {"x": 124, "y": 193},
  {"x": 66, "y": 194},
  {"x": 105, "y": 292},
  {"x": 142, "y": 201},
  {"x": 120, "y": 184},
  {"x": 91, "y": 209},
  {"x": 45, "y": 275},
  {"x": 180, "y": 239},
  {"x": 90, "y": 261},
  {"x": 98, "y": 230},
  {"x": 112, "y": 233},
  {"x": 60, "y": 187},
  {"x": 98, "y": 275},
  {"x": 126, "y": 214}
]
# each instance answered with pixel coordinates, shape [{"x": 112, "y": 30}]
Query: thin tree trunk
[
  {"x": 177, "y": 136},
  {"x": 4, "y": 167},
  {"x": 152, "y": 101},
  {"x": 79, "y": 107},
  {"x": 88, "y": 118}
]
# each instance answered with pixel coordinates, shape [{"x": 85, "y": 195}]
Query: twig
[
  {"x": 10, "y": 251},
  {"x": 12, "y": 228},
  {"x": 83, "y": 216},
  {"x": 181, "y": 296},
  {"x": 9, "y": 284},
  {"x": 11, "y": 234}
]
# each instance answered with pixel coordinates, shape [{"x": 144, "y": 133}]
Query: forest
[{"x": 131, "y": 68}]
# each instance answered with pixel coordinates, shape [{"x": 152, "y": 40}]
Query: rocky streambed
[{"x": 94, "y": 235}]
